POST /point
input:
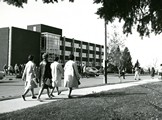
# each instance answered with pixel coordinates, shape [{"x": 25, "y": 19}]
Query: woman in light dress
[
  {"x": 28, "y": 76},
  {"x": 57, "y": 73},
  {"x": 137, "y": 73},
  {"x": 71, "y": 75}
]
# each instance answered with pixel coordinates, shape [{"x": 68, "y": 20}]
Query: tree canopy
[
  {"x": 19, "y": 3},
  {"x": 145, "y": 15}
]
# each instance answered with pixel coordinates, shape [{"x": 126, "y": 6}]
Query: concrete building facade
[{"x": 16, "y": 44}]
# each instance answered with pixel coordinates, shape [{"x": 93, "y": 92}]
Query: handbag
[
  {"x": 48, "y": 82},
  {"x": 34, "y": 83}
]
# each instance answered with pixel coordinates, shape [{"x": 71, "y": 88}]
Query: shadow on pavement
[
  {"x": 110, "y": 94},
  {"x": 8, "y": 81}
]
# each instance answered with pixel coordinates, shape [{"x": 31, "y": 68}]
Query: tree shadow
[{"x": 109, "y": 94}]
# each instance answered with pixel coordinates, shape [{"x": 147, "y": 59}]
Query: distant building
[{"x": 17, "y": 43}]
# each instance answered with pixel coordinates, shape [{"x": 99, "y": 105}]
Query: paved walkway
[{"x": 17, "y": 104}]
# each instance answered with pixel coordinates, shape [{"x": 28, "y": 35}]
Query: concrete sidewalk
[{"x": 18, "y": 104}]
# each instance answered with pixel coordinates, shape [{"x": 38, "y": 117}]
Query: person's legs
[
  {"x": 25, "y": 92},
  {"x": 51, "y": 94},
  {"x": 123, "y": 75},
  {"x": 32, "y": 91},
  {"x": 40, "y": 92},
  {"x": 58, "y": 92},
  {"x": 48, "y": 93},
  {"x": 135, "y": 76},
  {"x": 138, "y": 76},
  {"x": 70, "y": 90}
]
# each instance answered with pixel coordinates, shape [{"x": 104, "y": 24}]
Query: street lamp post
[
  {"x": 75, "y": 53},
  {"x": 105, "y": 54}
]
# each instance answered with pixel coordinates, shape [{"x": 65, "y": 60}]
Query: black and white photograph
[{"x": 80, "y": 60}]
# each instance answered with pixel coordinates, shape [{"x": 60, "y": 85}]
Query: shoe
[
  {"x": 51, "y": 95},
  {"x": 59, "y": 93},
  {"x": 79, "y": 83},
  {"x": 69, "y": 96},
  {"x": 38, "y": 98},
  {"x": 23, "y": 96},
  {"x": 34, "y": 97}
]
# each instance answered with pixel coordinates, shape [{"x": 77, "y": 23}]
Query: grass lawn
[{"x": 142, "y": 102}]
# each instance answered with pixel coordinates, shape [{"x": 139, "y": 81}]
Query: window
[
  {"x": 102, "y": 56},
  {"x": 76, "y": 54},
  {"x": 84, "y": 46},
  {"x": 84, "y": 54},
  {"x": 76, "y": 45},
  {"x": 97, "y": 48},
  {"x": 34, "y": 28},
  {"x": 91, "y": 47},
  {"x": 43, "y": 43},
  {"x": 60, "y": 52},
  {"x": 97, "y": 56},
  {"x": 102, "y": 49},
  {"x": 90, "y": 55},
  {"x": 68, "y": 44},
  {"x": 51, "y": 43},
  {"x": 67, "y": 53},
  {"x": 60, "y": 42}
]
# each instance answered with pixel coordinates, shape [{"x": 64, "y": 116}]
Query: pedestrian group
[{"x": 49, "y": 76}]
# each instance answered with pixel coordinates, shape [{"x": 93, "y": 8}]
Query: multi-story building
[{"x": 16, "y": 44}]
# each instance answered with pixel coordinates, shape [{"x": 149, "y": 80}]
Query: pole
[
  {"x": 105, "y": 54},
  {"x": 75, "y": 53}
]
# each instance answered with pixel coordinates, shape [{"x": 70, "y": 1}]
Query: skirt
[{"x": 31, "y": 84}]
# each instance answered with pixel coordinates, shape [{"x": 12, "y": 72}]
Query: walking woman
[
  {"x": 71, "y": 75},
  {"x": 44, "y": 75},
  {"x": 152, "y": 72},
  {"x": 29, "y": 76},
  {"x": 57, "y": 73}
]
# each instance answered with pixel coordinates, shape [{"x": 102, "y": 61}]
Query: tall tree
[
  {"x": 115, "y": 39},
  {"x": 116, "y": 58},
  {"x": 127, "y": 60}
]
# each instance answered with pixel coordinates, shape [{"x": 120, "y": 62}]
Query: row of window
[
  {"x": 90, "y": 63},
  {"x": 78, "y": 54},
  {"x": 76, "y": 45},
  {"x": 51, "y": 44}
]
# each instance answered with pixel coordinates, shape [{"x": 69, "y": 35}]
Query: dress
[
  {"x": 44, "y": 73},
  {"x": 137, "y": 73},
  {"x": 71, "y": 75},
  {"x": 152, "y": 72},
  {"x": 29, "y": 74},
  {"x": 57, "y": 71}
]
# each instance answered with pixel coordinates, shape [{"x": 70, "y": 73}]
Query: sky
[{"x": 79, "y": 21}]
